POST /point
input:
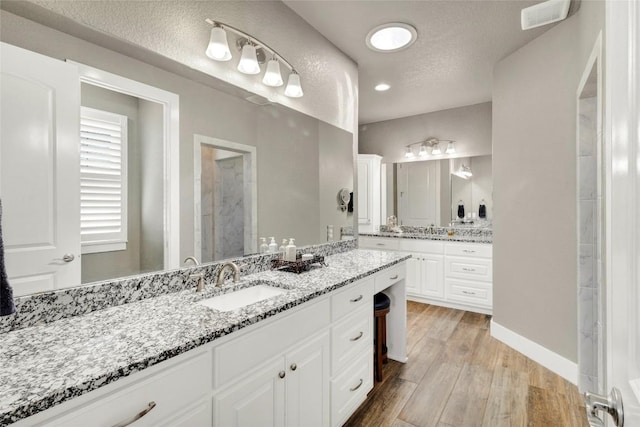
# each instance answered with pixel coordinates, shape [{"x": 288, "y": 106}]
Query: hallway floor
[{"x": 459, "y": 376}]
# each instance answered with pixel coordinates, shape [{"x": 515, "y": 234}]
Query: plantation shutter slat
[{"x": 103, "y": 171}]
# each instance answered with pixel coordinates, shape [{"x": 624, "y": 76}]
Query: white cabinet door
[
  {"x": 39, "y": 162},
  {"x": 433, "y": 275},
  {"x": 256, "y": 401},
  {"x": 307, "y": 384},
  {"x": 414, "y": 275}
]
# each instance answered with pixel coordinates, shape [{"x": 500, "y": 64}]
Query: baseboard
[
  {"x": 534, "y": 351},
  {"x": 442, "y": 303}
]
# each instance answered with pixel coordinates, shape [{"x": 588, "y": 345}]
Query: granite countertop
[
  {"x": 42, "y": 366},
  {"x": 457, "y": 237}
]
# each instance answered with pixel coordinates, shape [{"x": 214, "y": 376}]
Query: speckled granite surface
[
  {"x": 460, "y": 233},
  {"x": 41, "y": 366},
  {"x": 46, "y": 307}
]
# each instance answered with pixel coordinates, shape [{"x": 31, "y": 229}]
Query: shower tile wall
[
  {"x": 228, "y": 207},
  {"x": 589, "y": 273},
  {"x": 206, "y": 193}
]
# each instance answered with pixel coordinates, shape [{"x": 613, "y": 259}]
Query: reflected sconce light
[
  {"x": 463, "y": 172},
  {"x": 253, "y": 53},
  {"x": 432, "y": 144}
]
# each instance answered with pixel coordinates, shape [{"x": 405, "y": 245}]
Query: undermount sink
[{"x": 242, "y": 297}]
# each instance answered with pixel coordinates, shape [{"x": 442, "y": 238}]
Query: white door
[
  {"x": 307, "y": 401},
  {"x": 419, "y": 193},
  {"x": 622, "y": 128},
  {"x": 39, "y": 163}
]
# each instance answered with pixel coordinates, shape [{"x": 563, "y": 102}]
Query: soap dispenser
[
  {"x": 264, "y": 248},
  {"x": 273, "y": 246},
  {"x": 290, "y": 251},
  {"x": 283, "y": 247}
]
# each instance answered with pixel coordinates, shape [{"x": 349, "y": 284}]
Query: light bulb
[
  {"x": 249, "y": 62},
  {"x": 294, "y": 89},
  {"x": 218, "y": 48},
  {"x": 272, "y": 76},
  {"x": 450, "y": 148}
]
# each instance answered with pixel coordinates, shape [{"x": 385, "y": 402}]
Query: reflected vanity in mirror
[{"x": 445, "y": 192}]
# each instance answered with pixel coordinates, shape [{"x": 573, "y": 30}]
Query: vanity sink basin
[{"x": 242, "y": 297}]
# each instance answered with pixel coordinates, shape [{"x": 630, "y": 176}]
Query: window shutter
[{"x": 103, "y": 180}]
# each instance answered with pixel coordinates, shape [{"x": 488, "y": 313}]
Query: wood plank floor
[{"x": 458, "y": 376}]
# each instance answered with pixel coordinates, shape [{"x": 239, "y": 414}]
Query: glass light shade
[
  {"x": 450, "y": 148},
  {"x": 294, "y": 89},
  {"x": 391, "y": 37},
  {"x": 272, "y": 76},
  {"x": 423, "y": 151},
  {"x": 218, "y": 48},
  {"x": 408, "y": 154},
  {"x": 436, "y": 150},
  {"x": 249, "y": 61}
]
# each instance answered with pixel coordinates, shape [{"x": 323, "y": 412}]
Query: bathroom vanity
[
  {"x": 452, "y": 271},
  {"x": 301, "y": 358}
]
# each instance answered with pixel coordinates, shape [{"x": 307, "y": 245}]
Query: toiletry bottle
[
  {"x": 273, "y": 246},
  {"x": 264, "y": 248},
  {"x": 290, "y": 251},
  {"x": 283, "y": 247}
]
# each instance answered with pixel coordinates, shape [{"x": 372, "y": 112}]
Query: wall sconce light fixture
[
  {"x": 430, "y": 143},
  {"x": 254, "y": 53}
]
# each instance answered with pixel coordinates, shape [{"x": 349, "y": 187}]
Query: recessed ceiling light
[
  {"x": 382, "y": 87},
  {"x": 391, "y": 37}
]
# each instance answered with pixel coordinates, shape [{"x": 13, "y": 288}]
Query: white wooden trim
[
  {"x": 171, "y": 147},
  {"x": 449, "y": 304},
  {"x": 250, "y": 234},
  {"x": 534, "y": 351}
]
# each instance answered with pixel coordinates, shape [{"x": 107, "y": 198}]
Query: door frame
[
  {"x": 622, "y": 180},
  {"x": 171, "y": 147},
  {"x": 249, "y": 157}
]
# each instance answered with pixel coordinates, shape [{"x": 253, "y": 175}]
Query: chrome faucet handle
[
  {"x": 200, "y": 277},
  {"x": 192, "y": 259}
]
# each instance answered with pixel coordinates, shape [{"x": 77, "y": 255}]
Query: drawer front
[
  {"x": 474, "y": 293},
  {"x": 359, "y": 294},
  {"x": 237, "y": 357},
  {"x": 475, "y": 250},
  {"x": 424, "y": 246},
  {"x": 350, "y": 388},
  {"x": 389, "y": 243},
  {"x": 172, "y": 390},
  {"x": 469, "y": 268},
  {"x": 390, "y": 276},
  {"x": 351, "y": 337}
]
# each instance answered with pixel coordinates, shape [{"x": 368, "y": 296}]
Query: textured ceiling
[{"x": 450, "y": 64}]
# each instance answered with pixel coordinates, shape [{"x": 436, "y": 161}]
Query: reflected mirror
[{"x": 441, "y": 192}]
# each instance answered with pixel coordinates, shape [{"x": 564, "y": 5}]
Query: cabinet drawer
[
  {"x": 475, "y": 293},
  {"x": 350, "y": 388},
  {"x": 475, "y": 250},
  {"x": 237, "y": 357},
  {"x": 469, "y": 268},
  {"x": 171, "y": 390},
  {"x": 390, "y": 276},
  {"x": 359, "y": 294},
  {"x": 351, "y": 337},
  {"x": 424, "y": 246},
  {"x": 389, "y": 243}
]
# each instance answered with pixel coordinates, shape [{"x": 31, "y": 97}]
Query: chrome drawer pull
[
  {"x": 136, "y": 417},
  {"x": 467, "y": 251},
  {"x": 468, "y": 269},
  {"x": 358, "y": 386},
  {"x": 468, "y": 293},
  {"x": 394, "y": 277},
  {"x": 358, "y": 337},
  {"x": 356, "y": 299}
]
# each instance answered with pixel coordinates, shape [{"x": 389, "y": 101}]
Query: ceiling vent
[{"x": 544, "y": 13}]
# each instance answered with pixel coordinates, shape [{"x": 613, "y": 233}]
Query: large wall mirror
[
  {"x": 248, "y": 168},
  {"x": 441, "y": 192}
]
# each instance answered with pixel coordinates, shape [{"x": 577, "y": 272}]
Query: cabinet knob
[
  {"x": 293, "y": 366},
  {"x": 282, "y": 374}
]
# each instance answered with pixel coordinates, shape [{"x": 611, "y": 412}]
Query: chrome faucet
[
  {"x": 199, "y": 276},
  {"x": 236, "y": 273}
]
